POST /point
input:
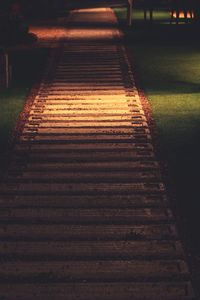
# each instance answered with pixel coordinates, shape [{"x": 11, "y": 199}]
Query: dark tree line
[{"x": 13, "y": 25}]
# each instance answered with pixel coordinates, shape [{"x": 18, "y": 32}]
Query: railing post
[
  {"x": 5, "y": 70},
  {"x": 129, "y": 12}
]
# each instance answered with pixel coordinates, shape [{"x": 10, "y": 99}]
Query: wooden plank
[
  {"x": 80, "y": 177},
  {"x": 76, "y": 147},
  {"x": 83, "y": 216},
  {"x": 85, "y": 102},
  {"x": 77, "y": 250},
  {"x": 88, "y": 107},
  {"x": 106, "y": 115},
  {"x": 86, "y": 124},
  {"x": 86, "y": 92},
  {"x": 79, "y": 271},
  {"x": 87, "y": 118},
  {"x": 80, "y": 85},
  {"x": 82, "y": 112},
  {"x": 88, "y": 201},
  {"x": 84, "y": 138},
  {"x": 83, "y": 188},
  {"x": 97, "y": 131},
  {"x": 107, "y": 78},
  {"x": 130, "y": 94},
  {"x": 67, "y": 156},
  {"x": 92, "y": 166},
  {"x": 99, "y": 291},
  {"x": 108, "y": 98},
  {"x": 57, "y": 232}
]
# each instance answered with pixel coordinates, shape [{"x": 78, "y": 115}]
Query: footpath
[{"x": 84, "y": 212}]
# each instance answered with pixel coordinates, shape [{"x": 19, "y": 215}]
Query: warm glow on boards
[
  {"x": 57, "y": 33},
  {"x": 46, "y": 33}
]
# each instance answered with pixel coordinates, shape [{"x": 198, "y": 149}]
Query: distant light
[{"x": 190, "y": 15}]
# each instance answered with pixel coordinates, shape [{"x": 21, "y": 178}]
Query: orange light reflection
[{"x": 190, "y": 15}]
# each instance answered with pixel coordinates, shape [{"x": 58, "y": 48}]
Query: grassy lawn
[
  {"x": 26, "y": 66},
  {"x": 167, "y": 58}
]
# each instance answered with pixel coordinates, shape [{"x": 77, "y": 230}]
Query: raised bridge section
[
  {"x": 103, "y": 3},
  {"x": 84, "y": 213}
]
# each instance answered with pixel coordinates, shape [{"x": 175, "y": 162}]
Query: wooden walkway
[{"x": 84, "y": 213}]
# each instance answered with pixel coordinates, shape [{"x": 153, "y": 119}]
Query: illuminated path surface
[{"x": 84, "y": 210}]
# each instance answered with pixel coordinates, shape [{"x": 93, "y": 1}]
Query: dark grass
[
  {"x": 27, "y": 66},
  {"x": 167, "y": 59}
]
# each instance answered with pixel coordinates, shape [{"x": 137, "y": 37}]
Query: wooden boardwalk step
[
  {"x": 76, "y": 147},
  {"x": 120, "y": 166},
  {"x": 87, "y": 118},
  {"x": 85, "y": 101},
  {"x": 87, "y": 124},
  {"x": 60, "y": 232},
  {"x": 88, "y": 201},
  {"x": 84, "y": 156},
  {"x": 94, "y": 98},
  {"x": 83, "y": 216},
  {"x": 85, "y": 250},
  {"x": 93, "y": 271},
  {"x": 80, "y": 177},
  {"x": 84, "y": 188},
  {"x": 86, "y": 105},
  {"x": 99, "y": 291},
  {"x": 86, "y": 92},
  {"x": 84, "y": 210},
  {"x": 97, "y": 113},
  {"x": 88, "y": 131}
]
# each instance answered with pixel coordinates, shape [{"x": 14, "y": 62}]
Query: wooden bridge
[
  {"x": 105, "y": 3},
  {"x": 84, "y": 212}
]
